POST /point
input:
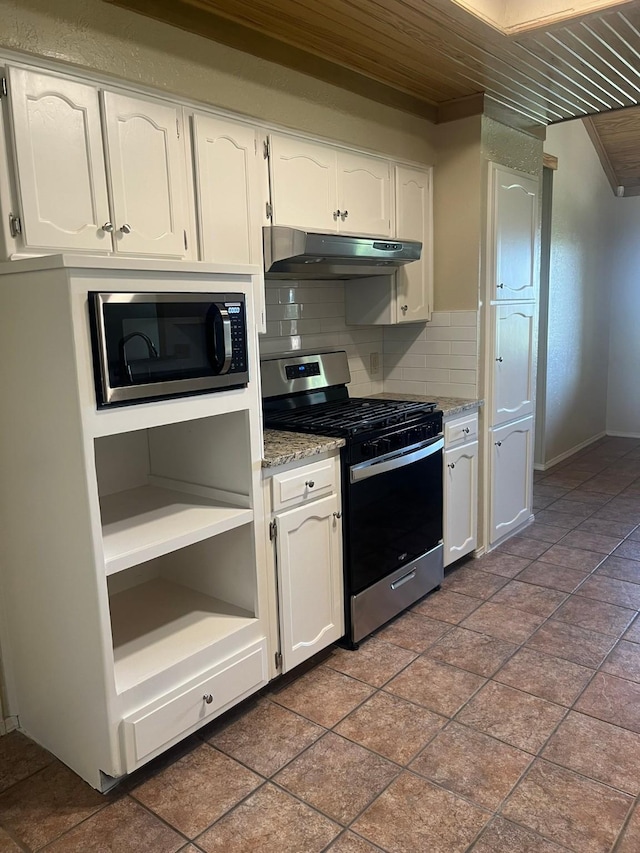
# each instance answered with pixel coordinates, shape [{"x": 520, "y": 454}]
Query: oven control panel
[{"x": 404, "y": 437}]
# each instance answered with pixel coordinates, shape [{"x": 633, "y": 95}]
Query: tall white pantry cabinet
[
  {"x": 511, "y": 334},
  {"x": 134, "y": 590}
]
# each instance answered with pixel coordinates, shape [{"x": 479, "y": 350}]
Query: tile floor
[{"x": 500, "y": 715}]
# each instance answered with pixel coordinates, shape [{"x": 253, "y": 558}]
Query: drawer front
[
  {"x": 462, "y": 429},
  {"x": 151, "y": 729},
  {"x": 307, "y": 483}
]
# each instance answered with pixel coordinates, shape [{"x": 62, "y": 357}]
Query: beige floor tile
[
  {"x": 532, "y": 599},
  {"x": 570, "y": 642},
  {"x": 337, "y": 777},
  {"x": 414, "y": 632},
  {"x": 598, "y": 750},
  {"x": 583, "y": 815},
  {"x": 446, "y": 606},
  {"x": 503, "y": 621},
  {"x": 266, "y": 737},
  {"x": 350, "y": 843},
  {"x": 550, "y": 678},
  {"x": 502, "y": 836},
  {"x": 375, "y": 662},
  {"x": 414, "y": 815},
  {"x": 197, "y": 789},
  {"x": 269, "y": 821},
  {"x": 594, "y": 615},
  {"x": 436, "y": 686},
  {"x": 517, "y": 718},
  {"x": 391, "y": 726},
  {"x": 45, "y": 805},
  {"x": 19, "y": 758},
  {"x": 472, "y": 651},
  {"x": 614, "y": 700},
  {"x": 120, "y": 828},
  {"x": 323, "y": 695},
  {"x": 472, "y": 764}
]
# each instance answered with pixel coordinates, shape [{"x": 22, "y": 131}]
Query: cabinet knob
[
  {"x": 404, "y": 308},
  {"x": 309, "y": 483},
  {"x": 208, "y": 698},
  {"x": 344, "y": 215},
  {"x": 466, "y": 430},
  {"x": 500, "y": 286},
  {"x": 452, "y": 464},
  {"x": 499, "y": 358},
  {"x": 336, "y": 214},
  {"x": 498, "y": 443},
  {"x": 126, "y": 228},
  {"x": 337, "y": 515},
  {"x": 108, "y": 227}
]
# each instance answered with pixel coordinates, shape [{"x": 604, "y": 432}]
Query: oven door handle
[{"x": 391, "y": 462}]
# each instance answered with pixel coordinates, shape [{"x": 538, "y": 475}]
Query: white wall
[
  {"x": 582, "y": 229},
  {"x": 623, "y": 404}
]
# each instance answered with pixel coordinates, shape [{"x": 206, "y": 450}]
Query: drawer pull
[
  {"x": 208, "y": 698},
  {"x": 498, "y": 443},
  {"x": 466, "y": 430},
  {"x": 405, "y": 579},
  {"x": 309, "y": 483},
  {"x": 452, "y": 464},
  {"x": 337, "y": 515}
]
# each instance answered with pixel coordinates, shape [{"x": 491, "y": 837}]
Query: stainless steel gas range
[{"x": 391, "y": 481}]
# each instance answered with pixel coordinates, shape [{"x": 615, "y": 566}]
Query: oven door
[
  {"x": 151, "y": 345},
  {"x": 393, "y": 512}
]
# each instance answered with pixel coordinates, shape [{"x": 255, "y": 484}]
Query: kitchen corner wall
[{"x": 436, "y": 359}]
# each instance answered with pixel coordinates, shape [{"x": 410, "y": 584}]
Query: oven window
[
  {"x": 392, "y": 518},
  {"x": 159, "y": 341}
]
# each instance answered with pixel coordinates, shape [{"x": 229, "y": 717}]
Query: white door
[
  {"x": 414, "y": 222},
  {"x": 512, "y": 391},
  {"x": 514, "y": 226},
  {"x": 460, "y": 501},
  {"x": 228, "y": 192},
  {"x": 310, "y": 579},
  {"x": 511, "y": 476},
  {"x": 303, "y": 184},
  {"x": 148, "y": 182},
  {"x": 60, "y": 162},
  {"x": 364, "y": 187}
]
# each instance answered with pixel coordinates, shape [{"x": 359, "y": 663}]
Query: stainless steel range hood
[{"x": 290, "y": 253}]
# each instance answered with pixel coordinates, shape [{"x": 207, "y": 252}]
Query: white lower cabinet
[
  {"x": 307, "y": 544},
  {"x": 460, "y": 505},
  {"x": 512, "y": 475}
]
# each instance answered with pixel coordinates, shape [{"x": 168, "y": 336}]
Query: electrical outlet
[{"x": 374, "y": 362}]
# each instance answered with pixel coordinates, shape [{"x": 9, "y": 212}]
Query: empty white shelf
[
  {"x": 160, "y": 623},
  {"x": 143, "y": 523}
]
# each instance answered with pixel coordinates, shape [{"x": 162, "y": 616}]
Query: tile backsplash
[{"x": 437, "y": 358}]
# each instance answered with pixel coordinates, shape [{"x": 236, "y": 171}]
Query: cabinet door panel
[
  {"x": 61, "y": 170},
  {"x": 310, "y": 579},
  {"x": 515, "y": 216},
  {"x": 303, "y": 184},
  {"x": 227, "y": 190},
  {"x": 511, "y": 474},
  {"x": 513, "y": 362},
  {"x": 460, "y": 501},
  {"x": 364, "y": 185},
  {"x": 147, "y": 176},
  {"x": 414, "y": 222}
]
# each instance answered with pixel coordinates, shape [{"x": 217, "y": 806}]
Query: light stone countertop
[
  {"x": 281, "y": 447},
  {"x": 450, "y": 406}
]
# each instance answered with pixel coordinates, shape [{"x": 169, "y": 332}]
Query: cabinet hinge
[
  {"x": 186, "y": 245},
  {"x": 273, "y": 529},
  {"x": 266, "y": 149},
  {"x": 269, "y": 210},
  {"x": 3, "y": 86},
  {"x": 15, "y": 225},
  {"x": 278, "y": 657},
  {"x": 178, "y": 128}
]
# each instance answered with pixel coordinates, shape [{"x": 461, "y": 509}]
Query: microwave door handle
[{"x": 223, "y": 362}]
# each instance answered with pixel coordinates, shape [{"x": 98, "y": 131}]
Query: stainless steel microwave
[{"x": 147, "y": 346}]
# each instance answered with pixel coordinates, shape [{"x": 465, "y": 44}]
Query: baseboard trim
[
  {"x": 617, "y": 434},
  {"x": 578, "y": 447}
]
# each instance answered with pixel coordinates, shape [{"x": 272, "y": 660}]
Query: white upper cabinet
[
  {"x": 147, "y": 170},
  {"x": 513, "y": 221},
  {"x": 319, "y": 188},
  {"x": 414, "y": 281},
  {"x": 303, "y": 184},
  {"x": 228, "y": 190},
  {"x": 363, "y": 185},
  {"x": 512, "y": 391},
  {"x": 61, "y": 171}
]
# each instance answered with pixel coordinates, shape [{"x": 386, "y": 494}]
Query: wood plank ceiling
[{"x": 434, "y": 58}]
